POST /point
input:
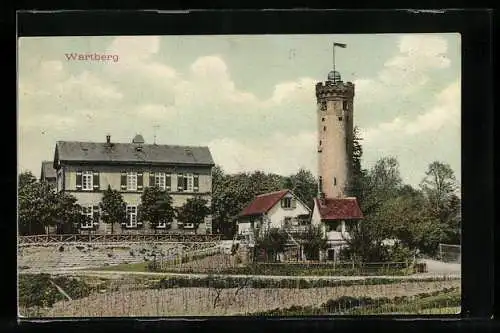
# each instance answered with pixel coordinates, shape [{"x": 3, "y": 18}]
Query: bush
[{"x": 37, "y": 289}]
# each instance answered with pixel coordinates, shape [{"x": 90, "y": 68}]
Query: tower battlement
[{"x": 330, "y": 89}]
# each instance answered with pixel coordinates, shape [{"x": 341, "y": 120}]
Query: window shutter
[
  {"x": 151, "y": 179},
  {"x": 123, "y": 185},
  {"x": 79, "y": 180},
  {"x": 168, "y": 182},
  {"x": 294, "y": 202},
  {"x": 139, "y": 181},
  {"x": 95, "y": 181},
  {"x": 195, "y": 182},
  {"x": 180, "y": 182},
  {"x": 95, "y": 215},
  {"x": 282, "y": 203}
]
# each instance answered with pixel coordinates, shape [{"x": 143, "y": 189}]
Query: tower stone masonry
[{"x": 335, "y": 135}]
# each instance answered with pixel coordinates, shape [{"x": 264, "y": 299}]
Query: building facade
[
  {"x": 86, "y": 169},
  {"x": 281, "y": 209}
]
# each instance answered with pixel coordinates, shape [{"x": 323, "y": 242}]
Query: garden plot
[{"x": 233, "y": 301}]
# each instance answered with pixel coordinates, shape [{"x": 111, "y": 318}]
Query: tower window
[
  {"x": 340, "y": 118},
  {"x": 334, "y": 181},
  {"x": 322, "y": 118},
  {"x": 320, "y": 183},
  {"x": 344, "y": 105},
  {"x": 324, "y": 128},
  {"x": 323, "y": 106},
  {"x": 320, "y": 142}
]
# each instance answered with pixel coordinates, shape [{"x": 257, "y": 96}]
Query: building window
[
  {"x": 188, "y": 226},
  {"x": 345, "y": 105},
  {"x": 160, "y": 180},
  {"x": 320, "y": 184},
  {"x": 88, "y": 213},
  {"x": 340, "y": 118},
  {"x": 322, "y": 118},
  {"x": 335, "y": 226},
  {"x": 287, "y": 222},
  {"x": 87, "y": 184},
  {"x": 287, "y": 203},
  {"x": 161, "y": 225},
  {"x": 324, "y": 128},
  {"x": 131, "y": 217},
  {"x": 334, "y": 181},
  {"x": 188, "y": 182},
  {"x": 131, "y": 181}
]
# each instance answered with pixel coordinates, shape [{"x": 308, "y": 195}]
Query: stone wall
[{"x": 64, "y": 256}]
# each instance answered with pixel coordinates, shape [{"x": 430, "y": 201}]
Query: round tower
[{"x": 335, "y": 134}]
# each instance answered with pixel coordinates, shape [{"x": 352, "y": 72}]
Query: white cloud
[
  {"x": 445, "y": 112},
  {"x": 156, "y": 112},
  {"x": 281, "y": 154},
  {"x": 406, "y": 72},
  {"x": 294, "y": 91}
]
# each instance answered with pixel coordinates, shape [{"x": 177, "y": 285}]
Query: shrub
[{"x": 37, "y": 289}]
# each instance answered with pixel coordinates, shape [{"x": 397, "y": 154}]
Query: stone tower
[{"x": 335, "y": 135}]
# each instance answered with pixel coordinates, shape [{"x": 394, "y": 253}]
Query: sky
[{"x": 249, "y": 98}]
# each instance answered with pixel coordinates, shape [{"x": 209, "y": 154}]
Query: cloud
[
  {"x": 280, "y": 153},
  {"x": 407, "y": 71},
  {"x": 156, "y": 112},
  {"x": 445, "y": 112}
]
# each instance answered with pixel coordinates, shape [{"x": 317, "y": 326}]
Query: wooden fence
[{"x": 103, "y": 238}]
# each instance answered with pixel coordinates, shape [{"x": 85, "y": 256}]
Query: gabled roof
[
  {"x": 48, "y": 170},
  {"x": 74, "y": 151},
  {"x": 263, "y": 203},
  {"x": 338, "y": 208}
]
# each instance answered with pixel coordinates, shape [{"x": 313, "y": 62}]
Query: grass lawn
[{"x": 137, "y": 267}]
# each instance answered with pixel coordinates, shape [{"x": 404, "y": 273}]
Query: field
[{"x": 198, "y": 301}]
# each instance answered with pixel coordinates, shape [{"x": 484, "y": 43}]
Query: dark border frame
[{"x": 475, "y": 26}]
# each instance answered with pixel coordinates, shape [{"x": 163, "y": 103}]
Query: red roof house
[
  {"x": 338, "y": 209},
  {"x": 275, "y": 209}
]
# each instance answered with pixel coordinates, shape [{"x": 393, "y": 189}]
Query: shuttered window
[
  {"x": 131, "y": 217},
  {"x": 131, "y": 181},
  {"x": 79, "y": 180},
  {"x": 95, "y": 179},
  {"x": 87, "y": 181},
  {"x": 151, "y": 179},
  {"x": 196, "y": 183},
  {"x": 123, "y": 183},
  {"x": 140, "y": 182},
  {"x": 180, "y": 182},
  {"x": 168, "y": 182}
]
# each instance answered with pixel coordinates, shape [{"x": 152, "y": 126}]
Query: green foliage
[
  {"x": 440, "y": 189},
  {"x": 261, "y": 283},
  {"x": 304, "y": 186},
  {"x": 40, "y": 206},
  {"x": 156, "y": 207},
  {"x": 273, "y": 242},
  {"x": 231, "y": 193},
  {"x": 113, "y": 207},
  {"x": 194, "y": 211},
  {"x": 313, "y": 241},
  {"x": 38, "y": 290}
]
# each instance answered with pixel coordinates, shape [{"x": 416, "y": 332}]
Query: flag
[{"x": 340, "y": 45}]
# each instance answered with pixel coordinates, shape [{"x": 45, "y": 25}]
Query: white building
[
  {"x": 336, "y": 217},
  {"x": 281, "y": 209}
]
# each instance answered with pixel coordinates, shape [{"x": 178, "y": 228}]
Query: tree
[
  {"x": 113, "y": 207},
  {"x": 273, "y": 241},
  {"x": 304, "y": 185},
  {"x": 231, "y": 193},
  {"x": 26, "y": 178},
  {"x": 156, "y": 207},
  {"x": 378, "y": 185},
  {"x": 356, "y": 185},
  {"x": 313, "y": 241},
  {"x": 40, "y": 207},
  {"x": 440, "y": 188},
  {"x": 194, "y": 211}
]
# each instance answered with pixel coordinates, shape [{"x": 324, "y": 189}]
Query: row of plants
[
  {"x": 261, "y": 283},
  {"x": 40, "y": 289},
  {"x": 162, "y": 265},
  {"x": 347, "y": 305}
]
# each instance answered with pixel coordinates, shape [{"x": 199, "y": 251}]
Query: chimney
[{"x": 108, "y": 139}]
